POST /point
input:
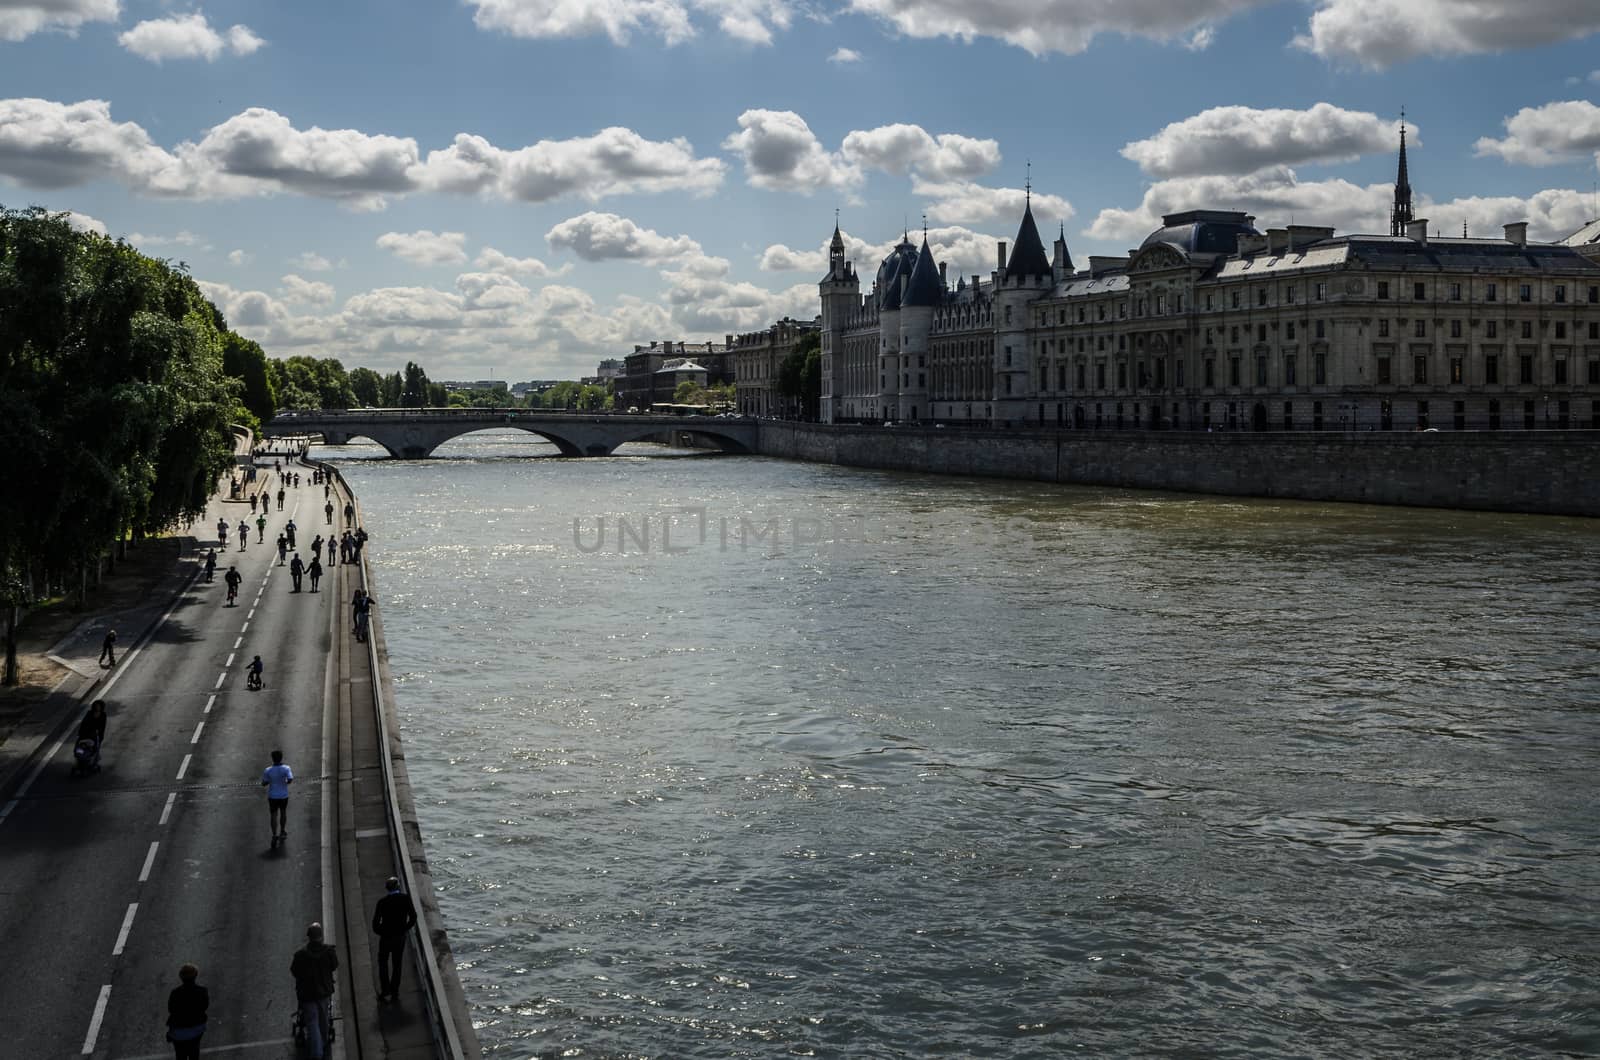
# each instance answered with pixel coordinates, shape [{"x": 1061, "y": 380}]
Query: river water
[{"x": 734, "y": 757}]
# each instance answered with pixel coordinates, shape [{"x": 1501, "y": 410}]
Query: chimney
[
  {"x": 1250, "y": 243},
  {"x": 1417, "y": 230},
  {"x": 1002, "y": 255},
  {"x": 1517, "y": 233},
  {"x": 652, "y": 344},
  {"x": 1302, "y": 236},
  {"x": 942, "y": 281},
  {"x": 1278, "y": 240},
  {"x": 729, "y": 340},
  {"x": 637, "y": 347}
]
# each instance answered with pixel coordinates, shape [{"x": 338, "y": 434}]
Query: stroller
[{"x": 86, "y": 757}]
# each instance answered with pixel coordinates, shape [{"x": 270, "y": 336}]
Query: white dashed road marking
[
  {"x": 184, "y": 766},
  {"x": 127, "y": 926},
  {"x": 166, "y": 811},
  {"x": 149, "y": 860},
  {"x": 94, "y": 1023}
]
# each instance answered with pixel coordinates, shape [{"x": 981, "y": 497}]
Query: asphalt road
[{"x": 109, "y": 882}]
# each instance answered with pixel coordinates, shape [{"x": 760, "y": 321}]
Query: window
[
  {"x": 1322, "y": 292},
  {"x": 1122, "y": 375},
  {"x": 1419, "y": 369},
  {"x": 1455, "y": 329},
  {"x": 1289, "y": 331},
  {"x": 1491, "y": 292},
  {"x": 1383, "y": 329},
  {"x": 1008, "y": 314},
  {"x": 1421, "y": 329},
  {"x": 1122, "y": 342},
  {"x": 1594, "y": 372},
  {"x": 1383, "y": 288},
  {"x": 1008, "y": 356},
  {"x": 1081, "y": 369},
  {"x": 1080, "y": 314},
  {"x": 1322, "y": 329},
  {"x": 1100, "y": 312},
  {"x": 1061, "y": 377},
  {"x": 1236, "y": 299},
  {"x": 1525, "y": 368},
  {"x": 1044, "y": 377},
  {"x": 1561, "y": 329},
  {"x": 1457, "y": 374},
  {"x": 1211, "y": 372},
  {"x": 1561, "y": 370},
  {"x": 1261, "y": 369},
  {"x": 1491, "y": 369},
  {"x": 1161, "y": 305},
  {"x": 1261, "y": 296},
  {"x": 1491, "y": 329},
  {"x": 1233, "y": 334},
  {"x": 1178, "y": 373},
  {"x": 1594, "y": 295},
  {"x": 1288, "y": 293},
  {"x": 1419, "y": 292},
  {"x": 1261, "y": 333},
  {"x": 1320, "y": 363},
  {"x": 1100, "y": 376},
  {"x": 1527, "y": 329},
  {"x": 1383, "y": 371},
  {"x": 1210, "y": 303},
  {"x": 1594, "y": 330},
  {"x": 1561, "y": 292},
  {"x": 1525, "y": 293},
  {"x": 1288, "y": 370},
  {"x": 1455, "y": 292},
  {"x": 1233, "y": 371}
]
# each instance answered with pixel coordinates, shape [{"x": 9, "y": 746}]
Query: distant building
[
  {"x": 757, "y": 356},
  {"x": 1211, "y": 324},
  {"x": 612, "y": 368},
  {"x": 643, "y": 384},
  {"x": 476, "y": 384}
]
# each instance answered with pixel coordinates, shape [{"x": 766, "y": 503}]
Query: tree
[
  {"x": 687, "y": 392},
  {"x": 393, "y": 388},
  {"x": 367, "y": 386},
  {"x": 244, "y": 360},
  {"x": 800, "y": 375},
  {"x": 414, "y": 391}
]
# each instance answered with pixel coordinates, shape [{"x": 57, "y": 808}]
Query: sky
[{"x": 515, "y": 189}]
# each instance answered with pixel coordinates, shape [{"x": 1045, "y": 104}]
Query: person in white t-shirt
[{"x": 276, "y": 778}]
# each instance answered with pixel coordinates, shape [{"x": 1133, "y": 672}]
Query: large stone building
[
  {"x": 1211, "y": 324},
  {"x": 643, "y": 383},
  {"x": 757, "y": 356}
]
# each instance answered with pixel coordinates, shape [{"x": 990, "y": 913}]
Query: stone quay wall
[{"x": 1544, "y": 472}]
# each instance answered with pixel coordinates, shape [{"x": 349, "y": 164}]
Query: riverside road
[{"x": 109, "y": 882}]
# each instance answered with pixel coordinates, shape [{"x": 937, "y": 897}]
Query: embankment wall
[{"x": 1546, "y": 472}]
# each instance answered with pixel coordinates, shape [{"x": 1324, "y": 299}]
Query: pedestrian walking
[
  {"x": 252, "y": 504},
  {"x": 280, "y": 498},
  {"x": 392, "y": 922},
  {"x": 276, "y": 778},
  {"x": 313, "y": 967},
  {"x": 363, "y": 615},
  {"x": 244, "y": 534},
  {"x": 333, "y": 553},
  {"x": 327, "y": 509},
  {"x": 108, "y": 649},
  {"x": 315, "y": 570},
  {"x": 261, "y": 528},
  {"x": 296, "y": 569},
  {"x": 289, "y": 528},
  {"x": 349, "y": 512},
  {"x": 186, "y": 1014},
  {"x": 283, "y": 549}
]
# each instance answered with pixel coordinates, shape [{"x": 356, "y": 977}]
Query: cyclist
[
  {"x": 233, "y": 578},
  {"x": 211, "y": 564},
  {"x": 253, "y": 672}
]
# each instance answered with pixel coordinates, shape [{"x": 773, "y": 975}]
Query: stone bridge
[{"x": 416, "y": 433}]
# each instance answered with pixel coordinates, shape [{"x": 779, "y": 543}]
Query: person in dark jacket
[
  {"x": 186, "y": 1014},
  {"x": 392, "y": 922},
  {"x": 313, "y": 967},
  {"x": 93, "y": 726}
]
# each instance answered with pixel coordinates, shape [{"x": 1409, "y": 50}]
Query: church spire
[{"x": 1400, "y": 213}]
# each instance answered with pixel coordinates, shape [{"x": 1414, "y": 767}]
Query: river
[{"x": 735, "y": 757}]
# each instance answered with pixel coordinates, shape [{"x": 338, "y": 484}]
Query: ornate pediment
[{"x": 1158, "y": 257}]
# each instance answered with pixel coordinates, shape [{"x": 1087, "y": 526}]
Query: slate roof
[{"x": 1027, "y": 255}]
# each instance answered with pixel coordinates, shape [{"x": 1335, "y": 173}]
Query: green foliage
[
  {"x": 414, "y": 389},
  {"x": 688, "y": 392},
  {"x": 310, "y": 383},
  {"x": 115, "y": 395},
  {"x": 244, "y": 360},
  {"x": 800, "y": 375},
  {"x": 367, "y": 386}
]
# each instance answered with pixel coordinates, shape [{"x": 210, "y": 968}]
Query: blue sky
[{"x": 517, "y": 188}]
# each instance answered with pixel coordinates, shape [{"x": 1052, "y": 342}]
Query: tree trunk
[
  {"x": 83, "y": 586},
  {"x": 11, "y": 676}
]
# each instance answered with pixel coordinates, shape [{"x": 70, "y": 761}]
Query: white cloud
[
  {"x": 1381, "y": 33},
  {"x": 187, "y": 37},
  {"x": 309, "y": 292},
  {"x": 901, "y": 148},
  {"x": 1547, "y": 135},
  {"x": 426, "y": 248},
  {"x": 751, "y": 21},
  {"x": 605, "y": 236},
  {"x": 780, "y": 258},
  {"x": 1201, "y": 39},
  {"x": 780, "y": 153},
  {"x": 1066, "y": 26},
  {"x": 84, "y": 223},
  {"x": 311, "y": 261},
  {"x": 412, "y": 307},
  {"x": 1274, "y": 194},
  {"x": 493, "y": 260},
  {"x": 240, "y": 257},
  {"x": 20, "y": 19},
  {"x": 1245, "y": 139},
  {"x": 490, "y": 292},
  {"x": 259, "y": 152},
  {"x": 963, "y": 251},
  {"x": 184, "y": 238},
  {"x": 965, "y": 201},
  {"x": 614, "y": 161},
  {"x": 845, "y": 55}
]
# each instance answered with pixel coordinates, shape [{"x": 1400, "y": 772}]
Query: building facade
[
  {"x": 1211, "y": 324},
  {"x": 757, "y": 356},
  {"x": 643, "y": 384}
]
